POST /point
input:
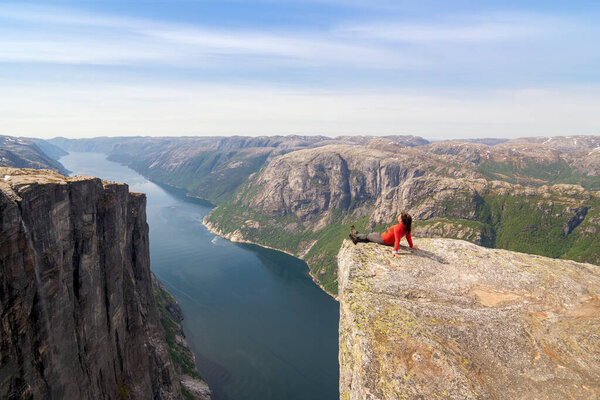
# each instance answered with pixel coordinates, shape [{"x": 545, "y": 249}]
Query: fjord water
[{"x": 259, "y": 326}]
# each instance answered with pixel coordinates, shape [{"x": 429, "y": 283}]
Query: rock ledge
[{"x": 459, "y": 321}]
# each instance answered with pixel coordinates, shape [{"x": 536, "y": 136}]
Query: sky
[{"x": 438, "y": 69}]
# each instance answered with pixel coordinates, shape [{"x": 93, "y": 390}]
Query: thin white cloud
[
  {"x": 156, "y": 106},
  {"x": 70, "y": 110},
  {"x": 106, "y": 40},
  {"x": 467, "y": 34},
  {"x": 58, "y": 16},
  {"x": 461, "y": 29},
  {"x": 74, "y": 37}
]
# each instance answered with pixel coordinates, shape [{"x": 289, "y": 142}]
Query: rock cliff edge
[
  {"x": 78, "y": 318},
  {"x": 459, "y": 321}
]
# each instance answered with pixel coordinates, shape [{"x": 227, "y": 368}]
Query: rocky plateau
[{"x": 457, "y": 321}]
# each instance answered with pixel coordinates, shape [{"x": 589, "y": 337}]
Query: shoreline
[
  {"x": 235, "y": 239},
  {"x": 231, "y": 237}
]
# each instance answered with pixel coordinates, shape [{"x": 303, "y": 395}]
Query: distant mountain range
[{"x": 30, "y": 153}]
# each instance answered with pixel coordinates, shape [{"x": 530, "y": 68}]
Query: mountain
[
  {"x": 79, "y": 314},
  {"x": 459, "y": 321},
  {"x": 299, "y": 194},
  {"x": 29, "y": 153},
  {"x": 211, "y": 168},
  {"x": 304, "y": 201},
  {"x": 52, "y": 151},
  {"x": 532, "y": 161}
]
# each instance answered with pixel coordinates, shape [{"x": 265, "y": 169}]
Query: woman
[{"x": 391, "y": 237}]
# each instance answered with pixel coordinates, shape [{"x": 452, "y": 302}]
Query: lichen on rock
[{"x": 458, "y": 321}]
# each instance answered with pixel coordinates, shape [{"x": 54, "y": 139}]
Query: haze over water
[{"x": 259, "y": 326}]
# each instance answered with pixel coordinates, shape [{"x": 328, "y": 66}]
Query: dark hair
[{"x": 406, "y": 221}]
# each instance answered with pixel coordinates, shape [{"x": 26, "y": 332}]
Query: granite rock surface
[
  {"x": 78, "y": 319},
  {"x": 457, "y": 321}
]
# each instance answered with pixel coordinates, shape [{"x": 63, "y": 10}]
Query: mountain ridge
[{"x": 29, "y": 153}]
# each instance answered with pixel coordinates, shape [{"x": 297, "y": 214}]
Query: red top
[{"x": 394, "y": 234}]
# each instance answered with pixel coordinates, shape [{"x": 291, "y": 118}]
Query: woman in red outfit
[{"x": 389, "y": 238}]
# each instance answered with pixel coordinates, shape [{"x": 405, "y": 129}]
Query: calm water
[{"x": 260, "y": 328}]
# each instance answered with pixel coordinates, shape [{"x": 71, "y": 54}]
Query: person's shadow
[{"x": 424, "y": 253}]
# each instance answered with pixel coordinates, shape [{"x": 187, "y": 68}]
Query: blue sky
[{"x": 438, "y": 69}]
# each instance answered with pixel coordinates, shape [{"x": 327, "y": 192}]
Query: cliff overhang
[{"x": 458, "y": 321}]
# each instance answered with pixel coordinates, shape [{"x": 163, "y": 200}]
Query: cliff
[
  {"x": 458, "y": 321},
  {"x": 77, "y": 309}
]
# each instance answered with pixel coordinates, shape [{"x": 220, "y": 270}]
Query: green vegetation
[
  {"x": 458, "y": 228},
  {"x": 321, "y": 258},
  {"x": 530, "y": 172},
  {"x": 530, "y": 224},
  {"x": 211, "y": 175},
  {"x": 170, "y": 318},
  {"x": 525, "y": 224},
  {"x": 535, "y": 225},
  {"x": 124, "y": 392},
  {"x": 186, "y": 394}
]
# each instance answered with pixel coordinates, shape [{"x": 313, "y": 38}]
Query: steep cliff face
[
  {"x": 459, "y": 321},
  {"x": 310, "y": 183},
  {"x": 78, "y": 315}
]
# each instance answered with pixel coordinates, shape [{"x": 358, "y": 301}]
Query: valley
[
  {"x": 244, "y": 304},
  {"x": 258, "y": 326},
  {"x": 299, "y": 194}
]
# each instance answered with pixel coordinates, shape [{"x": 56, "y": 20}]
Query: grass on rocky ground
[{"x": 181, "y": 356}]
